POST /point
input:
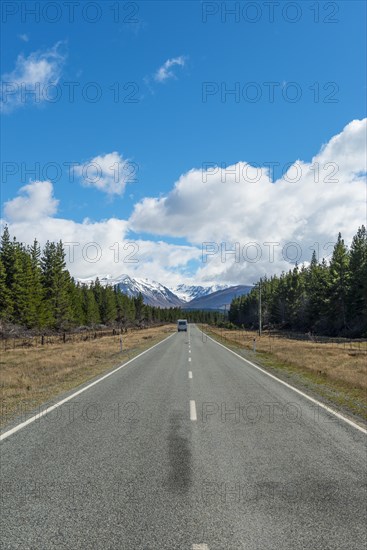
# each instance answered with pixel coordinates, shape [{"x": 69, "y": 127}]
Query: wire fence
[
  {"x": 246, "y": 337},
  {"x": 352, "y": 343},
  {"x": 41, "y": 340},
  {"x": 238, "y": 335}
]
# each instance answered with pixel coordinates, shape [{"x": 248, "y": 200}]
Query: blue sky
[{"x": 181, "y": 118}]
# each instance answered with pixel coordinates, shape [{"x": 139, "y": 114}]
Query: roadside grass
[
  {"x": 336, "y": 372},
  {"x": 32, "y": 376}
]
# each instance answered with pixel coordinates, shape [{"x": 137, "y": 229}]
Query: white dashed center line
[
  {"x": 189, "y": 359},
  {"x": 193, "y": 416},
  {"x": 190, "y": 374}
]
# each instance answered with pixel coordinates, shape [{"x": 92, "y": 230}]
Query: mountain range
[{"x": 218, "y": 296}]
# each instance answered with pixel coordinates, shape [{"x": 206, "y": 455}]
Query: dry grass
[
  {"x": 31, "y": 376},
  {"x": 337, "y": 370}
]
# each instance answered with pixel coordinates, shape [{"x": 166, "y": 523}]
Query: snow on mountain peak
[
  {"x": 190, "y": 292},
  {"x": 156, "y": 294}
]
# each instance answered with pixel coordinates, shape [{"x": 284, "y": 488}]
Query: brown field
[
  {"x": 335, "y": 371},
  {"x": 32, "y": 375}
]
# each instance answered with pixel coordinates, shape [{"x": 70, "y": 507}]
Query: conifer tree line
[
  {"x": 38, "y": 292},
  {"x": 324, "y": 298}
]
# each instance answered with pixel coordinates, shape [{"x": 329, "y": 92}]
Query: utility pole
[{"x": 260, "y": 320}]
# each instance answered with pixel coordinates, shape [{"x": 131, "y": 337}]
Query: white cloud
[
  {"x": 163, "y": 262},
  {"x": 109, "y": 173},
  {"x": 165, "y": 72},
  {"x": 224, "y": 206},
  {"x": 211, "y": 206},
  {"x": 24, "y": 37},
  {"x": 36, "y": 201},
  {"x": 33, "y": 73},
  {"x": 93, "y": 247}
]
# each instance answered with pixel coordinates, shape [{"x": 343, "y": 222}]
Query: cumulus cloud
[
  {"x": 93, "y": 247},
  {"x": 165, "y": 72},
  {"x": 241, "y": 204},
  {"x": 35, "y": 201},
  {"x": 164, "y": 262},
  {"x": 109, "y": 173},
  {"x": 28, "y": 82},
  {"x": 237, "y": 222}
]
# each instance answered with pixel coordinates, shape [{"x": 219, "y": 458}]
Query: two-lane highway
[{"x": 187, "y": 447}]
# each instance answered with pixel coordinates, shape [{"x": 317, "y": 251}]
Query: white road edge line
[
  {"x": 190, "y": 374},
  {"x": 193, "y": 416},
  {"x": 59, "y": 403},
  {"x": 331, "y": 411},
  {"x": 200, "y": 547}
]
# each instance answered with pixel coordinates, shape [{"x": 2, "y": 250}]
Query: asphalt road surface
[{"x": 190, "y": 448}]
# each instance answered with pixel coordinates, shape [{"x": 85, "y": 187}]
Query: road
[{"x": 187, "y": 447}]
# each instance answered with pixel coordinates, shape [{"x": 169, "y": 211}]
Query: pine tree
[
  {"x": 130, "y": 309},
  {"x": 7, "y": 255},
  {"x": 139, "y": 307},
  {"x": 315, "y": 292},
  {"x": 296, "y": 299},
  {"x": 357, "y": 296},
  {"x": 6, "y": 306},
  {"x": 20, "y": 288},
  {"x": 76, "y": 298},
  {"x": 90, "y": 306},
  {"x": 108, "y": 310},
  {"x": 56, "y": 284},
  {"x": 38, "y": 316},
  {"x": 97, "y": 291},
  {"x": 339, "y": 286},
  {"x": 120, "y": 313},
  {"x": 148, "y": 314}
]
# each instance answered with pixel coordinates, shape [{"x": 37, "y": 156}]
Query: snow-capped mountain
[
  {"x": 221, "y": 299},
  {"x": 154, "y": 293},
  {"x": 186, "y": 296},
  {"x": 192, "y": 292}
]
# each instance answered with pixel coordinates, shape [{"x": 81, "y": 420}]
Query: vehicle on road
[{"x": 182, "y": 325}]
